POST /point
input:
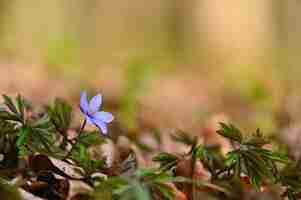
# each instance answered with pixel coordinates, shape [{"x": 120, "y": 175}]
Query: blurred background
[{"x": 173, "y": 63}]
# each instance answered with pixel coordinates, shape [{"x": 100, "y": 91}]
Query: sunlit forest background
[{"x": 168, "y": 64}]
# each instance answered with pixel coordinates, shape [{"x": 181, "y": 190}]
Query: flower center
[{"x": 90, "y": 113}]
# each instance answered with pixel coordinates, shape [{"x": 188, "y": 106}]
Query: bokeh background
[{"x": 170, "y": 64}]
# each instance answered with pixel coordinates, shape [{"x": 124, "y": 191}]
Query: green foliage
[
  {"x": 8, "y": 146},
  {"x": 23, "y": 135},
  {"x": 81, "y": 155},
  {"x": 290, "y": 178},
  {"x": 211, "y": 157},
  {"x": 60, "y": 115},
  {"x": 34, "y": 131},
  {"x": 184, "y": 138},
  {"x": 144, "y": 181},
  {"x": 251, "y": 158},
  {"x": 15, "y": 110},
  {"x": 230, "y": 132},
  {"x": 41, "y": 135},
  {"x": 167, "y": 161},
  {"x": 80, "y": 152},
  {"x": 257, "y": 139},
  {"x": 90, "y": 138},
  {"x": 24, "y": 132}
]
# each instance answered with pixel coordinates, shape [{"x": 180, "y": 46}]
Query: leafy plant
[
  {"x": 249, "y": 157},
  {"x": 31, "y": 139}
]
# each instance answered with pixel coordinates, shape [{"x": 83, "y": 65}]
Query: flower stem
[
  {"x": 82, "y": 127},
  {"x": 76, "y": 139}
]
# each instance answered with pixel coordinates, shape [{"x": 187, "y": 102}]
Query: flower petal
[
  {"x": 89, "y": 119},
  {"x": 95, "y": 103},
  {"x": 101, "y": 125},
  {"x": 84, "y": 106},
  {"x": 104, "y": 116}
]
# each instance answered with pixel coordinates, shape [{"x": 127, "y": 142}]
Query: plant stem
[{"x": 76, "y": 139}]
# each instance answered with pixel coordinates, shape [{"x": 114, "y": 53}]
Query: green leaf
[
  {"x": 231, "y": 159},
  {"x": 82, "y": 152},
  {"x": 21, "y": 106},
  {"x": 211, "y": 157},
  {"x": 165, "y": 190},
  {"x": 166, "y": 160},
  {"x": 116, "y": 182},
  {"x": 7, "y": 127},
  {"x": 98, "y": 164},
  {"x": 42, "y": 123},
  {"x": 91, "y": 138},
  {"x": 22, "y": 137},
  {"x": 230, "y": 131},
  {"x": 274, "y": 156},
  {"x": 82, "y": 157},
  {"x": 8, "y": 116},
  {"x": 60, "y": 115},
  {"x": 257, "y": 139},
  {"x": 9, "y": 103},
  {"x": 185, "y": 138},
  {"x": 42, "y": 140},
  {"x": 16, "y": 112},
  {"x": 165, "y": 157},
  {"x": 290, "y": 176},
  {"x": 256, "y": 181}
]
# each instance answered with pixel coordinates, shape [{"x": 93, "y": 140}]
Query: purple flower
[{"x": 92, "y": 113}]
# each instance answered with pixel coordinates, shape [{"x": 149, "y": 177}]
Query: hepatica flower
[{"x": 92, "y": 113}]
